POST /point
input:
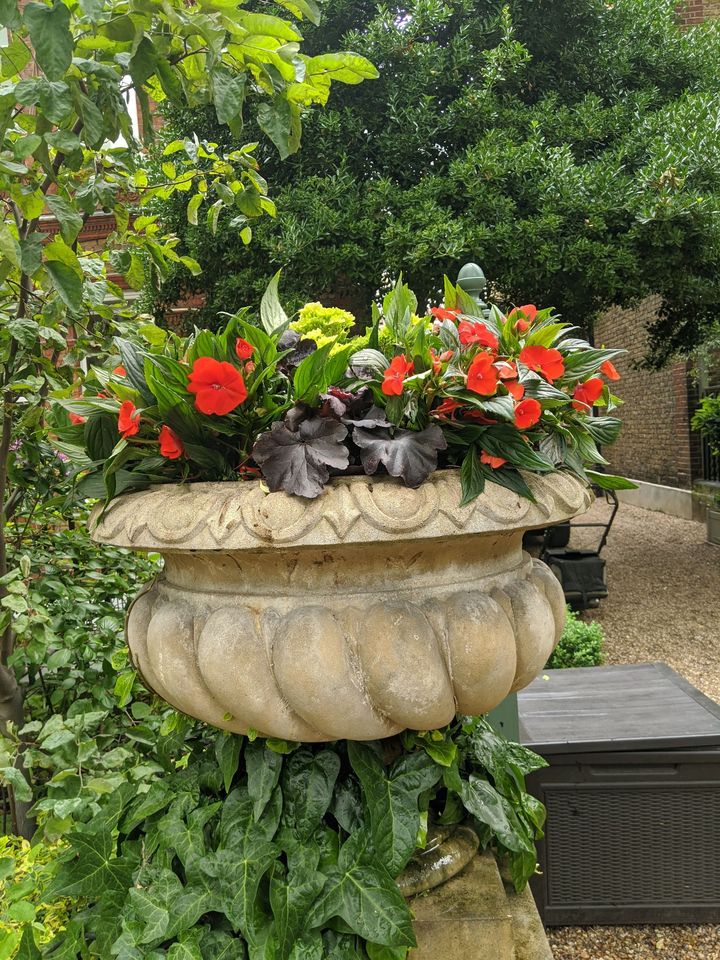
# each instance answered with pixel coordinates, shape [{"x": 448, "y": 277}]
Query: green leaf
[
  {"x": 263, "y": 772},
  {"x": 369, "y": 902},
  {"x": 607, "y": 481},
  {"x": 310, "y": 380},
  {"x": 15, "y": 779},
  {"x": 67, "y": 216},
  {"x": 101, "y": 435},
  {"x": 123, "y": 688},
  {"x": 52, "y": 41},
  {"x": 272, "y": 315},
  {"x": 193, "y": 206},
  {"x": 28, "y": 950},
  {"x": 94, "y": 868},
  {"x": 10, "y": 17},
  {"x": 343, "y": 67},
  {"x": 484, "y": 802},
  {"x": 24, "y": 330},
  {"x": 280, "y": 120},
  {"x": 472, "y": 476},
  {"x": 228, "y": 96},
  {"x": 66, "y": 283},
  {"x": 308, "y": 780},
  {"x": 290, "y": 901},
  {"x": 236, "y": 875},
  {"x": 227, "y": 752},
  {"x": 391, "y": 798}
]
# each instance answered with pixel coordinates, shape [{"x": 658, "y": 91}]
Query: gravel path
[{"x": 663, "y": 604}]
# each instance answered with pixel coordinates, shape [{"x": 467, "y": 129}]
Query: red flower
[
  {"x": 170, "y": 443},
  {"x": 243, "y": 349},
  {"x": 392, "y": 385},
  {"x": 482, "y": 377},
  {"x": 515, "y": 389},
  {"x": 506, "y": 369},
  {"x": 437, "y": 361},
  {"x": 447, "y": 408},
  {"x": 128, "y": 419},
  {"x": 442, "y": 313},
  {"x": 120, "y": 371},
  {"x": 585, "y": 394},
  {"x": 494, "y": 462},
  {"x": 523, "y": 316},
  {"x": 249, "y": 366},
  {"x": 609, "y": 370},
  {"x": 471, "y": 332},
  {"x": 218, "y": 387},
  {"x": 527, "y": 413},
  {"x": 546, "y": 361},
  {"x": 75, "y": 419}
]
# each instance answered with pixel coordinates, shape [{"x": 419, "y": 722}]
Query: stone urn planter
[{"x": 372, "y": 609}]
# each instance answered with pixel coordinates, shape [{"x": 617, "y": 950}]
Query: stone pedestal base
[{"x": 475, "y": 916}]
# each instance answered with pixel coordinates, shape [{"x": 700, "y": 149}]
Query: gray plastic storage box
[{"x": 632, "y": 794}]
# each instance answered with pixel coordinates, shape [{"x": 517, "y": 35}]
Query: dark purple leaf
[
  {"x": 301, "y": 348},
  {"x": 374, "y": 418},
  {"x": 299, "y": 461},
  {"x": 409, "y": 454}
]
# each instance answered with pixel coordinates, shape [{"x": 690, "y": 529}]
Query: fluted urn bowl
[{"x": 372, "y": 609}]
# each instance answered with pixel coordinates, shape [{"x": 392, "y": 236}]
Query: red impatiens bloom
[
  {"x": 442, "y": 313},
  {"x": 527, "y": 413},
  {"x": 76, "y": 419},
  {"x": 129, "y": 419},
  {"x": 545, "y": 361},
  {"x": 437, "y": 361},
  {"x": 523, "y": 316},
  {"x": 491, "y": 461},
  {"x": 120, "y": 371},
  {"x": 482, "y": 377},
  {"x": 507, "y": 370},
  {"x": 243, "y": 349},
  {"x": 392, "y": 385},
  {"x": 609, "y": 370},
  {"x": 170, "y": 443},
  {"x": 218, "y": 386},
  {"x": 515, "y": 389},
  {"x": 585, "y": 394},
  {"x": 447, "y": 408},
  {"x": 471, "y": 332}
]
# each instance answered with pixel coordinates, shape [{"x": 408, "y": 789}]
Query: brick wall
[
  {"x": 695, "y": 11},
  {"x": 655, "y": 444}
]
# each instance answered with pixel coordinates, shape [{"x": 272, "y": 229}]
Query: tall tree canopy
[{"x": 571, "y": 146}]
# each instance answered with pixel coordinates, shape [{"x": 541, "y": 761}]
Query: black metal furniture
[{"x": 632, "y": 793}]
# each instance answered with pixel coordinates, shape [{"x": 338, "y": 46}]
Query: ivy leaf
[
  {"x": 263, "y": 772},
  {"x": 227, "y": 753},
  {"x": 220, "y": 945},
  {"x": 94, "y": 869},
  {"x": 410, "y": 454},
  {"x": 370, "y": 903},
  {"x": 307, "y": 785},
  {"x": 236, "y": 876},
  {"x": 299, "y": 461},
  {"x": 391, "y": 796},
  {"x": 483, "y": 801},
  {"x": 49, "y": 29},
  {"x": 290, "y": 900}
]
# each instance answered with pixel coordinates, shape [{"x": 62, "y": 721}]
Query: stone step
[{"x": 475, "y": 916}]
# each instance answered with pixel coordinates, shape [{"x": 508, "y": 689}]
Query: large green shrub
[
  {"x": 580, "y": 645},
  {"x": 570, "y": 146}
]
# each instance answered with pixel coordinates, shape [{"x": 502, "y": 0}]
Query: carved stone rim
[{"x": 240, "y": 515}]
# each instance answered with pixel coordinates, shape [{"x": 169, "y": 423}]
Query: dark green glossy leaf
[
  {"x": 472, "y": 476},
  {"x": 391, "y": 798},
  {"x": 308, "y": 780},
  {"x": 227, "y": 752},
  {"x": 263, "y": 774}
]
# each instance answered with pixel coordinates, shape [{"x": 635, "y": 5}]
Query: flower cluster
[{"x": 465, "y": 386}]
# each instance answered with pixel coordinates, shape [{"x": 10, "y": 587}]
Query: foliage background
[{"x": 572, "y": 147}]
